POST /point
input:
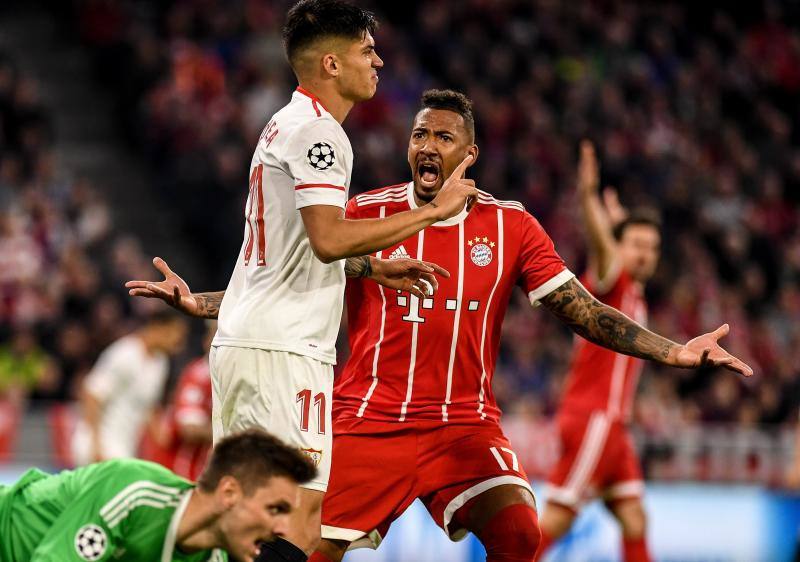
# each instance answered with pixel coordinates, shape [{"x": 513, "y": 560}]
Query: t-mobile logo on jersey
[{"x": 413, "y": 304}]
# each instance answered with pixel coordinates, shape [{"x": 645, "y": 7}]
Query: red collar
[{"x": 314, "y": 98}]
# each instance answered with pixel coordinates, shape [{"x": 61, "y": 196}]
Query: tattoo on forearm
[
  {"x": 604, "y": 325},
  {"x": 358, "y": 267},
  {"x": 209, "y": 303}
]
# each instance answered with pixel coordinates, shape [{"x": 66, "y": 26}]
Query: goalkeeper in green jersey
[{"x": 131, "y": 510}]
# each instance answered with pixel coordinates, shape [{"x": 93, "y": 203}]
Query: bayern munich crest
[
  {"x": 91, "y": 542},
  {"x": 481, "y": 252}
]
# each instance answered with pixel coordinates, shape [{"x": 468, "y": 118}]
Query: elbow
[{"x": 326, "y": 251}]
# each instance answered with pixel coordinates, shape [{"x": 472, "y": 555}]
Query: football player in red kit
[
  {"x": 598, "y": 458},
  {"x": 189, "y": 415},
  {"x": 414, "y": 414}
]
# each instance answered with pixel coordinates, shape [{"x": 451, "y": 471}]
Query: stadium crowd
[
  {"x": 693, "y": 111},
  {"x": 62, "y": 263}
]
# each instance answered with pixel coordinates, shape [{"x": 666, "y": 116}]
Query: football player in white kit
[{"x": 272, "y": 358}]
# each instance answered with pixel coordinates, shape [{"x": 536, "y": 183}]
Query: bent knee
[
  {"x": 512, "y": 534},
  {"x": 556, "y": 520},
  {"x": 632, "y": 518}
]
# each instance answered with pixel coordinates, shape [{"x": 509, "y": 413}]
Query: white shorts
[{"x": 287, "y": 394}]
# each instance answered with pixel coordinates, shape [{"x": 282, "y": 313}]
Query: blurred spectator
[
  {"x": 120, "y": 395},
  {"x": 24, "y": 367}
]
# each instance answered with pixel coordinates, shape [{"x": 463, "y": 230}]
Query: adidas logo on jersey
[{"x": 399, "y": 253}]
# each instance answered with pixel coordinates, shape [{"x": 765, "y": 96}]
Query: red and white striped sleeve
[{"x": 542, "y": 269}]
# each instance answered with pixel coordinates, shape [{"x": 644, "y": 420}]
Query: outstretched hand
[
  {"x": 414, "y": 276},
  {"x": 173, "y": 290},
  {"x": 704, "y": 351}
]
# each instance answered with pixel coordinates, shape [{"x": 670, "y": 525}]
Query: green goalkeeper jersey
[{"x": 122, "y": 510}]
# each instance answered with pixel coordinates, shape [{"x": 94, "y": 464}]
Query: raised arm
[
  {"x": 334, "y": 237},
  {"x": 599, "y": 228},
  {"x": 608, "y": 327}
]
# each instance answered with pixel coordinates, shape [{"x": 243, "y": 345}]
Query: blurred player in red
[
  {"x": 414, "y": 414},
  {"x": 598, "y": 458},
  {"x": 188, "y": 417}
]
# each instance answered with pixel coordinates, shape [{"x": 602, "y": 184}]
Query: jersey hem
[{"x": 327, "y": 358}]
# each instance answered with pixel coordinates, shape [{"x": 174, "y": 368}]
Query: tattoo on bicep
[
  {"x": 604, "y": 325},
  {"x": 209, "y": 303},
  {"x": 357, "y": 267}
]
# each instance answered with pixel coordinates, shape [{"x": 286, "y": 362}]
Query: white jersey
[
  {"x": 280, "y": 296},
  {"x": 129, "y": 382}
]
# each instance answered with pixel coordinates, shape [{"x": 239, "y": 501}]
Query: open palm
[
  {"x": 173, "y": 290},
  {"x": 705, "y": 351}
]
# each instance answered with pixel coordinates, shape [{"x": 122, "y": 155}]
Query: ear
[
  {"x": 474, "y": 151},
  {"x": 330, "y": 64},
  {"x": 228, "y": 492}
]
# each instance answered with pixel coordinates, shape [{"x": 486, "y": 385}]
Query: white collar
[
  {"x": 412, "y": 202},
  {"x": 172, "y": 530}
]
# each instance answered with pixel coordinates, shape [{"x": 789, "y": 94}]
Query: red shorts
[
  {"x": 378, "y": 470},
  {"x": 597, "y": 459}
]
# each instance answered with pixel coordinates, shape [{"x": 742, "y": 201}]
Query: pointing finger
[{"x": 461, "y": 169}]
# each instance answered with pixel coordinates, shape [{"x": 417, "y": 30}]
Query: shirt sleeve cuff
[
  {"x": 318, "y": 194},
  {"x": 549, "y": 286}
]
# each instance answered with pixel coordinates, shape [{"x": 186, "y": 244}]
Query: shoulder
[
  {"x": 485, "y": 198},
  {"x": 312, "y": 129},
  {"x": 390, "y": 194},
  {"x": 125, "y": 351},
  {"x": 125, "y": 477}
]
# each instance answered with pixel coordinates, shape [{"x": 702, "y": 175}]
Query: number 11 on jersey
[
  {"x": 304, "y": 399},
  {"x": 255, "y": 218}
]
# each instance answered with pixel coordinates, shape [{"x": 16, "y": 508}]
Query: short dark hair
[
  {"x": 252, "y": 457},
  {"x": 451, "y": 101},
  {"x": 642, "y": 216},
  {"x": 311, "y": 20}
]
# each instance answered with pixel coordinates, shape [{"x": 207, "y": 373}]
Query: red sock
[
  {"x": 635, "y": 550},
  {"x": 512, "y": 535},
  {"x": 544, "y": 543},
  {"x": 319, "y": 557}
]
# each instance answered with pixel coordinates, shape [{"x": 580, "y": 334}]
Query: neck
[
  {"x": 332, "y": 100},
  {"x": 197, "y": 528},
  {"x": 419, "y": 200}
]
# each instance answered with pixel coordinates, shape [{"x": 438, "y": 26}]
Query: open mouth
[{"x": 428, "y": 173}]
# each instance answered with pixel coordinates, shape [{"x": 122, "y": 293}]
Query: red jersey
[
  {"x": 433, "y": 359},
  {"x": 191, "y": 403},
  {"x": 601, "y": 379}
]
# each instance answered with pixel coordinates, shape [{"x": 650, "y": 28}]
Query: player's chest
[{"x": 481, "y": 263}]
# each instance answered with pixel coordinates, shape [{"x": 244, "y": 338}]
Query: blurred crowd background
[{"x": 693, "y": 109}]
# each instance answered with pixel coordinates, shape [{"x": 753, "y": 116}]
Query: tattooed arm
[
  {"x": 358, "y": 267},
  {"x": 415, "y": 276},
  {"x": 208, "y": 304},
  {"x": 174, "y": 291},
  {"x": 608, "y": 327}
]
